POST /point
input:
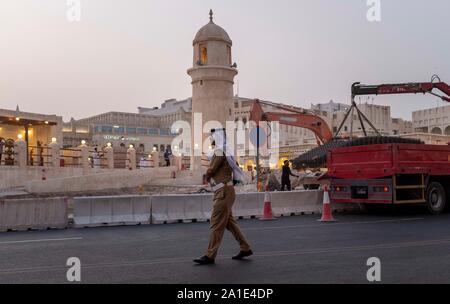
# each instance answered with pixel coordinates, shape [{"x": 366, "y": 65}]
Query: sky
[{"x": 129, "y": 53}]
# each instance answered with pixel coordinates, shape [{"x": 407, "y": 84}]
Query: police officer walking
[{"x": 225, "y": 173}]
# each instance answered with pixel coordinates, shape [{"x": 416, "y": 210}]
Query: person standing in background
[
  {"x": 167, "y": 157},
  {"x": 96, "y": 158},
  {"x": 31, "y": 157},
  {"x": 285, "y": 176},
  {"x": 40, "y": 153}
]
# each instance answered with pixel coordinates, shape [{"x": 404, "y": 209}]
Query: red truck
[{"x": 391, "y": 174}]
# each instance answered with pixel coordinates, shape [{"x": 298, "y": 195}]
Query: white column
[
  {"x": 131, "y": 158},
  {"x": 20, "y": 148},
  {"x": 109, "y": 154},
  {"x": 155, "y": 158},
  {"x": 84, "y": 154},
  {"x": 55, "y": 154}
]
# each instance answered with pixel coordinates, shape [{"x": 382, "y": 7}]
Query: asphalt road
[{"x": 413, "y": 247}]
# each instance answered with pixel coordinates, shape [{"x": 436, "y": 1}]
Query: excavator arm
[
  {"x": 403, "y": 88},
  {"x": 295, "y": 118}
]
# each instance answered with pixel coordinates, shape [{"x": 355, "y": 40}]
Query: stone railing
[{"x": 87, "y": 157}]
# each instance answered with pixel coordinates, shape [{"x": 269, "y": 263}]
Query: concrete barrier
[
  {"x": 296, "y": 202},
  {"x": 111, "y": 211},
  {"x": 168, "y": 209},
  {"x": 24, "y": 214},
  {"x": 248, "y": 205}
]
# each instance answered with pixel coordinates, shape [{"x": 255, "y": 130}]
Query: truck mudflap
[{"x": 372, "y": 191}]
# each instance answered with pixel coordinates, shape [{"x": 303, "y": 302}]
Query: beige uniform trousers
[{"x": 221, "y": 219}]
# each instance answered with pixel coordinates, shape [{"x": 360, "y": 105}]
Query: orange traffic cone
[
  {"x": 327, "y": 214},
  {"x": 267, "y": 212}
]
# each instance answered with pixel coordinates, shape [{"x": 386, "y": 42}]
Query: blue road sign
[{"x": 262, "y": 137}]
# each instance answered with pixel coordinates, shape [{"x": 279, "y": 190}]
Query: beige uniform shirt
[{"x": 219, "y": 169}]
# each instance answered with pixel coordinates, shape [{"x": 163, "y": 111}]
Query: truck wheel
[{"x": 436, "y": 198}]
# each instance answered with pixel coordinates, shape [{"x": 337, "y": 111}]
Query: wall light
[
  {"x": 109, "y": 145},
  {"x": 54, "y": 140},
  {"x": 83, "y": 142},
  {"x": 19, "y": 136}
]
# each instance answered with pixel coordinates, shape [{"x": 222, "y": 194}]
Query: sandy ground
[{"x": 162, "y": 187}]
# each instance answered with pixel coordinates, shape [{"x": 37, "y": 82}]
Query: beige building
[
  {"x": 143, "y": 131},
  {"x": 171, "y": 110},
  {"x": 401, "y": 126},
  {"x": 334, "y": 114},
  {"x": 433, "y": 120},
  {"x": 429, "y": 138}
]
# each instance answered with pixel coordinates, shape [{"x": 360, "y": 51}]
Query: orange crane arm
[{"x": 311, "y": 122}]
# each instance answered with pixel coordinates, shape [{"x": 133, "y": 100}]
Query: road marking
[
  {"x": 185, "y": 260},
  {"x": 356, "y": 248},
  {"x": 336, "y": 224},
  {"x": 41, "y": 240}
]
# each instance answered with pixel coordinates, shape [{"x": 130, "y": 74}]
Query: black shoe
[
  {"x": 204, "y": 261},
  {"x": 242, "y": 255}
]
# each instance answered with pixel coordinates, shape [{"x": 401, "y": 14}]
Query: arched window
[
  {"x": 447, "y": 130},
  {"x": 436, "y": 130},
  {"x": 203, "y": 54}
]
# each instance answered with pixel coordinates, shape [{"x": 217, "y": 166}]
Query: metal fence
[
  {"x": 144, "y": 160},
  {"x": 70, "y": 157},
  {"x": 120, "y": 159},
  {"x": 7, "y": 153},
  {"x": 98, "y": 159},
  {"x": 39, "y": 156}
]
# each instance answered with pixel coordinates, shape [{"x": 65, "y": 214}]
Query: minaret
[{"x": 212, "y": 85}]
